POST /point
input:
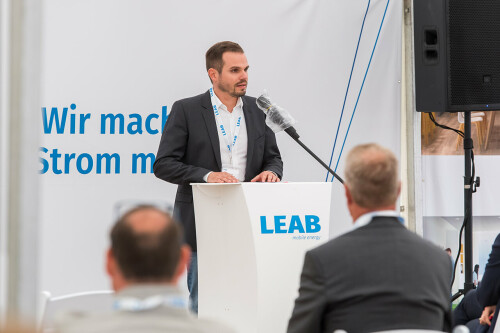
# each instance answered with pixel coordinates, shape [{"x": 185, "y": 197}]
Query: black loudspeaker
[{"x": 457, "y": 55}]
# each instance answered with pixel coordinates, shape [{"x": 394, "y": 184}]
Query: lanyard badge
[{"x": 221, "y": 128}]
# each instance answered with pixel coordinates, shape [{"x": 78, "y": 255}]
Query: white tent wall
[
  {"x": 139, "y": 57},
  {"x": 444, "y": 188}
]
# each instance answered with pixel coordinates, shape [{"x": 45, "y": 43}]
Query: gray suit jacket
[
  {"x": 161, "y": 319},
  {"x": 189, "y": 149},
  {"x": 377, "y": 277}
]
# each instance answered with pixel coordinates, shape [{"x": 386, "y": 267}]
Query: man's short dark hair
[
  {"x": 214, "y": 54},
  {"x": 146, "y": 256}
]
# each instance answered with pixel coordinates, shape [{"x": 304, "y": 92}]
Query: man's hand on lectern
[
  {"x": 266, "y": 177},
  {"x": 221, "y": 177}
]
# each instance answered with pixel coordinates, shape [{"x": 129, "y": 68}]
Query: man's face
[{"x": 233, "y": 78}]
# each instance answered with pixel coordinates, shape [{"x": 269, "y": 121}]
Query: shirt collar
[
  {"x": 239, "y": 103},
  {"x": 367, "y": 218},
  {"x": 145, "y": 290}
]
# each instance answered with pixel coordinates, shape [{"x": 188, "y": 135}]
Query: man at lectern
[
  {"x": 379, "y": 276},
  {"x": 219, "y": 136}
]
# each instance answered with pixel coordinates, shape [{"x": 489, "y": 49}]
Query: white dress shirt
[{"x": 233, "y": 162}]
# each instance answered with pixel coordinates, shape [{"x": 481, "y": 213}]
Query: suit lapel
[
  {"x": 209, "y": 117},
  {"x": 251, "y": 126}
]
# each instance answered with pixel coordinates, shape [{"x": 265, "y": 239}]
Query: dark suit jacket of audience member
[
  {"x": 378, "y": 277},
  {"x": 489, "y": 290},
  {"x": 468, "y": 312}
]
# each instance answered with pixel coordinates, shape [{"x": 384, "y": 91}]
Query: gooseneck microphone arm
[
  {"x": 293, "y": 133},
  {"x": 279, "y": 119}
]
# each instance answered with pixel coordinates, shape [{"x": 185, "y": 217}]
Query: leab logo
[{"x": 282, "y": 224}]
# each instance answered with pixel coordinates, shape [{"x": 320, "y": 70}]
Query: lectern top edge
[{"x": 257, "y": 183}]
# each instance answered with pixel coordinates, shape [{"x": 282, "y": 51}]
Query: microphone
[{"x": 278, "y": 119}]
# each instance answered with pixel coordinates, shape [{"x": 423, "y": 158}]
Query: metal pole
[{"x": 468, "y": 146}]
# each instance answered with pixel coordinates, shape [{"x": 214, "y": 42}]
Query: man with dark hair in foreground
[
  {"x": 144, "y": 263},
  {"x": 379, "y": 276}
]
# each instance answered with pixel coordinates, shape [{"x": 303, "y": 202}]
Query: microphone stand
[
  {"x": 293, "y": 133},
  {"x": 469, "y": 188}
]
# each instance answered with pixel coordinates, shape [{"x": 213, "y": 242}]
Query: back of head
[
  {"x": 146, "y": 245},
  {"x": 213, "y": 57},
  {"x": 372, "y": 176}
]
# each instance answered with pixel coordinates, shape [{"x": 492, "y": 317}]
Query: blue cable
[
  {"x": 362, "y": 84},
  {"x": 347, "y": 91}
]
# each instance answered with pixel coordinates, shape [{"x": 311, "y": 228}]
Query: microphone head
[
  {"x": 276, "y": 117},
  {"x": 264, "y": 102}
]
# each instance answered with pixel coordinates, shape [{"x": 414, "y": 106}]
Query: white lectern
[{"x": 251, "y": 240}]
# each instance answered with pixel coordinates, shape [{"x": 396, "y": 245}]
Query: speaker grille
[{"x": 474, "y": 52}]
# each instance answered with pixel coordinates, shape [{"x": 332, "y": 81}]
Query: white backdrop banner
[{"x": 113, "y": 68}]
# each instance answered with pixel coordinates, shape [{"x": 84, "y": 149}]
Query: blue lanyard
[{"x": 220, "y": 125}]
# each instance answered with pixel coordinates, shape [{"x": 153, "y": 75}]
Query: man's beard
[
  {"x": 233, "y": 92},
  {"x": 238, "y": 94}
]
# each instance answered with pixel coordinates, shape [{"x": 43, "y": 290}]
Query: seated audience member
[
  {"x": 448, "y": 251},
  {"x": 476, "y": 275},
  {"x": 488, "y": 293},
  {"x": 144, "y": 263},
  {"x": 379, "y": 276},
  {"x": 468, "y": 312}
]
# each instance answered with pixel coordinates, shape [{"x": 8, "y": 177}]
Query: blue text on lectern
[{"x": 289, "y": 224}]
